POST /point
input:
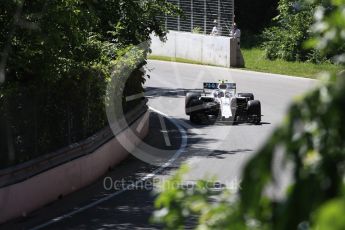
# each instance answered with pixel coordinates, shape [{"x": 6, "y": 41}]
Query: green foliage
[
  {"x": 330, "y": 216},
  {"x": 312, "y": 139},
  {"x": 179, "y": 203},
  {"x": 256, "y": 60},
  {"x": 285, "y": 39},
  {"x": 329, "y": 31},
  {"x": 197, "y": 30},
  {"x": 56, "y": 60},
  {"x": 309, "y": 145}
]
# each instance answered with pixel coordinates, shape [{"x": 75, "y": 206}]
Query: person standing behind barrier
[
  {"x": 215, "y": 30},
  {"x": 236, "y": 33}
]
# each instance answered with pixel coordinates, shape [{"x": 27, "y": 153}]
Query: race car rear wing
[{"x": 208, "y": 87}]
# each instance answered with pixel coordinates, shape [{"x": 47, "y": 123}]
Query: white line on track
[
  {"x": 147, "y": 177},
  {"x": 165, "y": 131}
]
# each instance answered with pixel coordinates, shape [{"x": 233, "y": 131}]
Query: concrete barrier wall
[
  {"x": 206, "y": 49},
  {"x": 22, "y": 198}
]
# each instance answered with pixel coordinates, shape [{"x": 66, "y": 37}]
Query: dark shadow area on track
[
  {"x": 220, "y": 154},
  {"x": 216, "y": 122},
  {"x": 199, "y": 139}
]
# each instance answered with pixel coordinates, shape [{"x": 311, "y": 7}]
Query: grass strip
[{"x": 255, "y": 61}]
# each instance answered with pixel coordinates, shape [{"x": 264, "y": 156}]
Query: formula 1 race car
[{"x": 221, "y": 101}]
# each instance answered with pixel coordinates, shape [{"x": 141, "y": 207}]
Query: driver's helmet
[{"x": 220, "y": 94}]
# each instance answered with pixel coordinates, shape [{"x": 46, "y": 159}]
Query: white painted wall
[{"x": 206, "y": 49}]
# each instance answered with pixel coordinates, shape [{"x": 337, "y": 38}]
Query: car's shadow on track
[{"x": 217, "y": 122}]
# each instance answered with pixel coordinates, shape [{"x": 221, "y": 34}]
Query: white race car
[{"x": 220, "y": 100}]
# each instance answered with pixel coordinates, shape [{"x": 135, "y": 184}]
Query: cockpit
[
  {"x": 226, "y": 94},
  {"x": 219, "y": 94},
  {"x": 221, "y": 90},
  {"x": 222, "y": 94}
]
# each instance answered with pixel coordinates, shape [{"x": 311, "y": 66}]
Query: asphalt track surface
[{"x": 219, "y": 150}]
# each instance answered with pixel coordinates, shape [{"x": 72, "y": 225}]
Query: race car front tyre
[
  {"x": 198, "y": 118},
  {"x": 190, "y": 101},
  {"x": 254, "y": 112},
  {"x": 246, "y": 95}
]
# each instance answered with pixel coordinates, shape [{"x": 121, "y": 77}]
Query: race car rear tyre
[
  {"x": 246, "y": 95},
  {"x": 190, "y": 98},
  {"x": 254, "y": 111}
]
